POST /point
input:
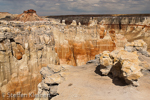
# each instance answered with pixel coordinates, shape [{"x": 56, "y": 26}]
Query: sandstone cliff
[
  {"x": 134, "y": 27},
  {"x": 26, "y": 47},
  {"x": 24, "y": 50}
]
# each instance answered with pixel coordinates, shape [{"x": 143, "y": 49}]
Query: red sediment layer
[{"x": 79, "y": 53}]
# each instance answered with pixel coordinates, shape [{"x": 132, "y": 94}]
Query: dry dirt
[{"x": 86, "y": 83}]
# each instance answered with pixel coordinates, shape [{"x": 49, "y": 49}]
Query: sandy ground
[{"x": 86, "y": 83}]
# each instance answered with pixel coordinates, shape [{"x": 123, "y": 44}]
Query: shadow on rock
[
  {"x": 97, "y": 71},
  {"x": 115, "y": 80}
]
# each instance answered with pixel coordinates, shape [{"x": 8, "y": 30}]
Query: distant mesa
[{"x": 29, "y": 15}]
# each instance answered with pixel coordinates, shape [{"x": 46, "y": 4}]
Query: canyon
[{"x": 34, "y": 50}]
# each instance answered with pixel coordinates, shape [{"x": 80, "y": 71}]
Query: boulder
[
  {"x": 121, "y": 64},
  {"x": 53, "y": 79},
  {"x": 137, "y": 45},
  {"x": 140, "y": 45},
  {"x": 45, "y": 72},
  {"x": 53, "y": 90},
  {"x": 105, "y": 62}
]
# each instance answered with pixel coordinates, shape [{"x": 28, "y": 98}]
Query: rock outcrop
[
  {"x": 137, "y": 45},
  {"x": 24, "y": 50},
  {"x": 29, "y": 15},
  {"x": 124, "y": 62},
  {"x": 53, "y": 75}
]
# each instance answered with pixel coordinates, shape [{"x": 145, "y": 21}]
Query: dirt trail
[{"x": 85, "y": 83}]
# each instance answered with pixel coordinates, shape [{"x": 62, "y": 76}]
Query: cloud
[
  {"x": 96, "y": 5},
  {"x": 70, "y": 0},
  {"x": 57, "y": 4},
  {"x": 58, "y": 7}
]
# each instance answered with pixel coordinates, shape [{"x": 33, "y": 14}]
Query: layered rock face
[
  {"x": 27, "y": 47},
  {"x": 134, "y": 27},
  {"x": 24, "y": 49},
  {"x": 124, "y": 62},
  {"x": 75, "y": 45}
]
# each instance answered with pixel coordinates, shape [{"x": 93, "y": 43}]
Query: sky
[{"x": 73, "y": 7}]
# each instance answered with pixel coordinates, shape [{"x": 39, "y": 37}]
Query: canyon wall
[
  {"x": 132, "y": 26},
  {"x": 27, "y": 47},
  {"x": 96, "y": 35},
  {"x": 24, "y": 49},
  {"x": 75, "y": 45}
]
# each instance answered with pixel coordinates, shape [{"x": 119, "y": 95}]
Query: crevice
[
  {"x": 55, "y": 84},
  {"x": 119, "y": 24},
  {"x": 3, "y": 50},
  {"x": 72, "y": 49},
  {"x": 12, "y": 40}
]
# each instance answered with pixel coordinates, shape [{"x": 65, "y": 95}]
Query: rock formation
[
  {"x": 30, "y": 43},
  {"x": 29, "y": 15},
  {"x": 24, "y": 50},
  {"x": 124, "y": 62},
  {"x": 53, "y": 75},
  {"x": 27, "y": 47},
  {"x": 133, "y": 27},
  {"x": 120, "y": 64}
]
